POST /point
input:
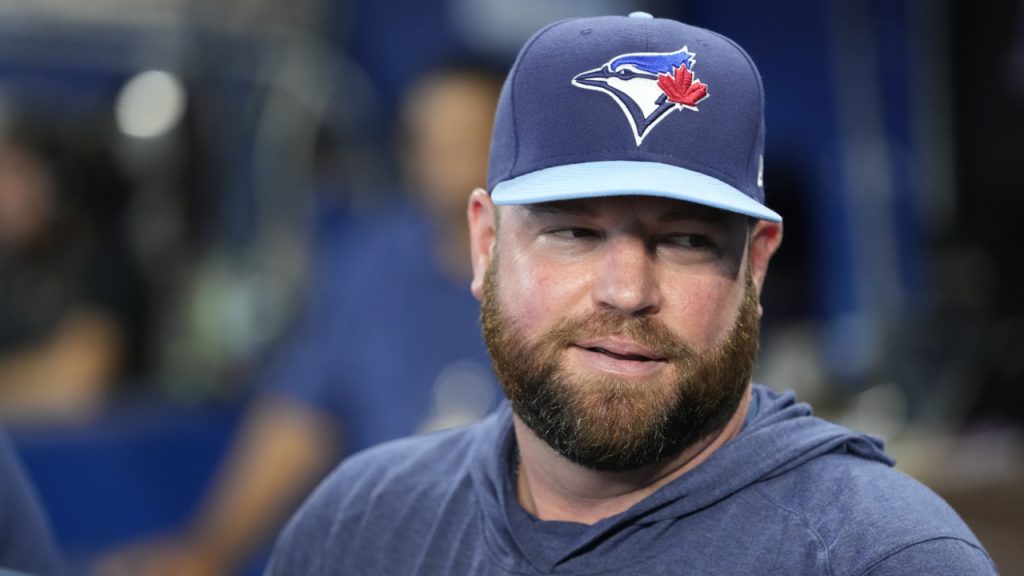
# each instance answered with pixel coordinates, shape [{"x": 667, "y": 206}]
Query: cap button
[{"x": 640, "y": 15}]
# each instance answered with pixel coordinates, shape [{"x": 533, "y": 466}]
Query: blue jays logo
[{"x": 647, "y": 86}]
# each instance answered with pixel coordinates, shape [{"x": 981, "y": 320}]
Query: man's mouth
[
  {"x": 620, "y": 349},
  {"x": 635, "y": 357}
]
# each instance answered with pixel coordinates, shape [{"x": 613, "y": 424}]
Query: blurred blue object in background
[{"x": 140, "y": 470}]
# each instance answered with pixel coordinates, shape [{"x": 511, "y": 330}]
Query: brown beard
[{"x": 613, "y": 424}]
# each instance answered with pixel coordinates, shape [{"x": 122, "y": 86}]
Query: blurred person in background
[
  {"x": 335, "y": 387},
  {"x": 70, "y": 298}
]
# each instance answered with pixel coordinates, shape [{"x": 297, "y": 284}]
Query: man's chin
[
  {"x": 606, "y": 424},
  {"x": 613, "y": 403}
]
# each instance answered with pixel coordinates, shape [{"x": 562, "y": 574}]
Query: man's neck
[{"x": 551, "y": 487}]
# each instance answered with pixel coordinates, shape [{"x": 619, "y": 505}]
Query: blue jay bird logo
[{"x": 647, "y": 86}]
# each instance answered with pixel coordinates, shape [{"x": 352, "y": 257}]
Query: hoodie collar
[{"x": 779, "y": 435}]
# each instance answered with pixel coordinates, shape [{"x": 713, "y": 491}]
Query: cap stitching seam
[
  {"x": 647, "y": 48},
  {"x": 512, "y": 94},
  {"x": 760, "y": 99}
]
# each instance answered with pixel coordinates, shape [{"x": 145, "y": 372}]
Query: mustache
[{"x": 644, "y": 330}]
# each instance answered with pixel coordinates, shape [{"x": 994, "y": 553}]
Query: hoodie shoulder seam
[
  {"x": 803, "y": 520},
  {"x": 909, "y": 545}
]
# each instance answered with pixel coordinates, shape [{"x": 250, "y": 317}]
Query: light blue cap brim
[{"x": 627, "y": 178}]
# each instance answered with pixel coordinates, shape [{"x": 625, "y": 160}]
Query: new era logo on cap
[{"x": 644, "y": 123}]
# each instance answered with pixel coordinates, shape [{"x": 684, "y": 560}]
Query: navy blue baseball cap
[{"x": 631, "y": 105}]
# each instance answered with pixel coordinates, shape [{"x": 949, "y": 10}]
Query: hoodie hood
[{"x": 779, "y": 435}]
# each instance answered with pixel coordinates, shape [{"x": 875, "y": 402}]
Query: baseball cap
[{"x": 630, "y": 105}]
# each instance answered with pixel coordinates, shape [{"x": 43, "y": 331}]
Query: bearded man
[{"x": 619, "y": 256}]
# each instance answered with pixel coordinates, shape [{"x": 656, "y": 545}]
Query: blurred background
[{"x": 187, "y": 189}]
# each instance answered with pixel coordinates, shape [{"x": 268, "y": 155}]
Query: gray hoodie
[{"x": 791, "y": 494}]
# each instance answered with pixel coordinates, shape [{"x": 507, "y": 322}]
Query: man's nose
[{"x": 626, "y": 279}]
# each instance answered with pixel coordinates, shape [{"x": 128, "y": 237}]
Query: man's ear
[
  {"x": 764, "y": 241},
  {"x": 482, "y": 229}
]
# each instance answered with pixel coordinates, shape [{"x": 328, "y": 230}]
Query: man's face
[{"x": 622, "y": 329}]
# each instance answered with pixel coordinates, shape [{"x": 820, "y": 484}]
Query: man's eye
[
  {"x": 693, "y": 241},
  {"x": 574, "y": 233}
]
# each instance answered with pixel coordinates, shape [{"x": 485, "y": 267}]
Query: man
[{"x": 619, "y": 258}]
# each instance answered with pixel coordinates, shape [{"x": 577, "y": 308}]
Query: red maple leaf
[{"x": 681, "y": 88}]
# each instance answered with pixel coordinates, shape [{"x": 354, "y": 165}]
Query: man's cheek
[
  {"x": 700, "y": 313},
  {"x": 538, "y": 300}
]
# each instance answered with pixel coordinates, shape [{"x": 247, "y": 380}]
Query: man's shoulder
[
  {"x": 861, "y": 510},
  {"x": 849, "y": 484},
  {"x": 392, "y": 493},
  {"x": 419, "y": 459},
  {"x": 406, "y": 473}
]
